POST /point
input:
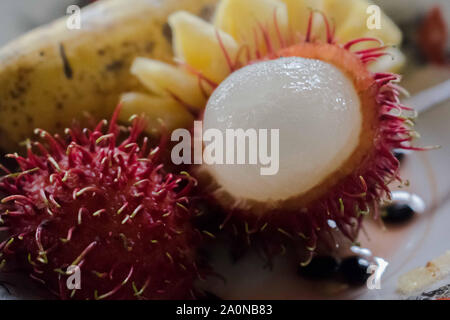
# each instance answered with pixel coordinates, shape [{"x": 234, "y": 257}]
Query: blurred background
[{"x": 19, "y": 16}]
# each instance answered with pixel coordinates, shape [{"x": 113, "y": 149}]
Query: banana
[{"x": 52, "y": 74}]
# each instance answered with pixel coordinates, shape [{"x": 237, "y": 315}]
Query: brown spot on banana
[{"x": 68, "y": 72}]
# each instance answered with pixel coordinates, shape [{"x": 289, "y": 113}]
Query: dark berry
[
  {"x": 354, "y": 270},
  {"x": 320, "y": 267},
  {"x": 397, "y": 213},
  {"x": 399, "y": 155}
]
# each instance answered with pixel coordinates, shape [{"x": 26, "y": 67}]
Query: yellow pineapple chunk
[
  {"x": 196, "y": 42},
  {"x": 351, "y": 18},
  {"x": 242, "y": 20},
  {"x": 165, "y": 79},
  {"x": 159, "y": 112},
  {"x": 299, "y": 12}
]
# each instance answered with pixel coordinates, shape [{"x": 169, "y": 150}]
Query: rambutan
[{"x": 104, "y": 204}]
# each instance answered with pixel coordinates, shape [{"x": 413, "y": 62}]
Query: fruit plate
[{"x": 404, "y": 248}]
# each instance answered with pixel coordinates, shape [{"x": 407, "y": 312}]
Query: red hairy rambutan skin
[{"x": 105, "y": 207}]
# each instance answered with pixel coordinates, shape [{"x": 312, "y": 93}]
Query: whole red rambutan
[{"x": 105, "y": 207}]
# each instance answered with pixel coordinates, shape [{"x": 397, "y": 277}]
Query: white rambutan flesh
[{"x": 315, "y": 107}]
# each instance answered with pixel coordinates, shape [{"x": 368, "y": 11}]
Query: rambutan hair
[{"x": 88, "y": 200}]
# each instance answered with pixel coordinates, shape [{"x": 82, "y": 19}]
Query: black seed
[
  {"x": 397, "y": 213},
  {"x": 320, "y": 267},
  {"x": 354, "y": 270}
]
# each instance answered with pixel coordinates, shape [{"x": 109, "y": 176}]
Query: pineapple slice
[
  {"x": 196, "y": 42},
  {"x": 299, "y": 12},
  {"x": 163, "y": 79},
  {"x": 393, "y": 62},
  {"x": 159, "y": 112},
  {"x": 351, "y": 19},
  {"x": 242, "y": 20}
]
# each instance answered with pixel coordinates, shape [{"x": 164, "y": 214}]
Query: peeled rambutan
[
  {"x": 104, "y": 206},
  {"x": 338, "y": 125}
]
